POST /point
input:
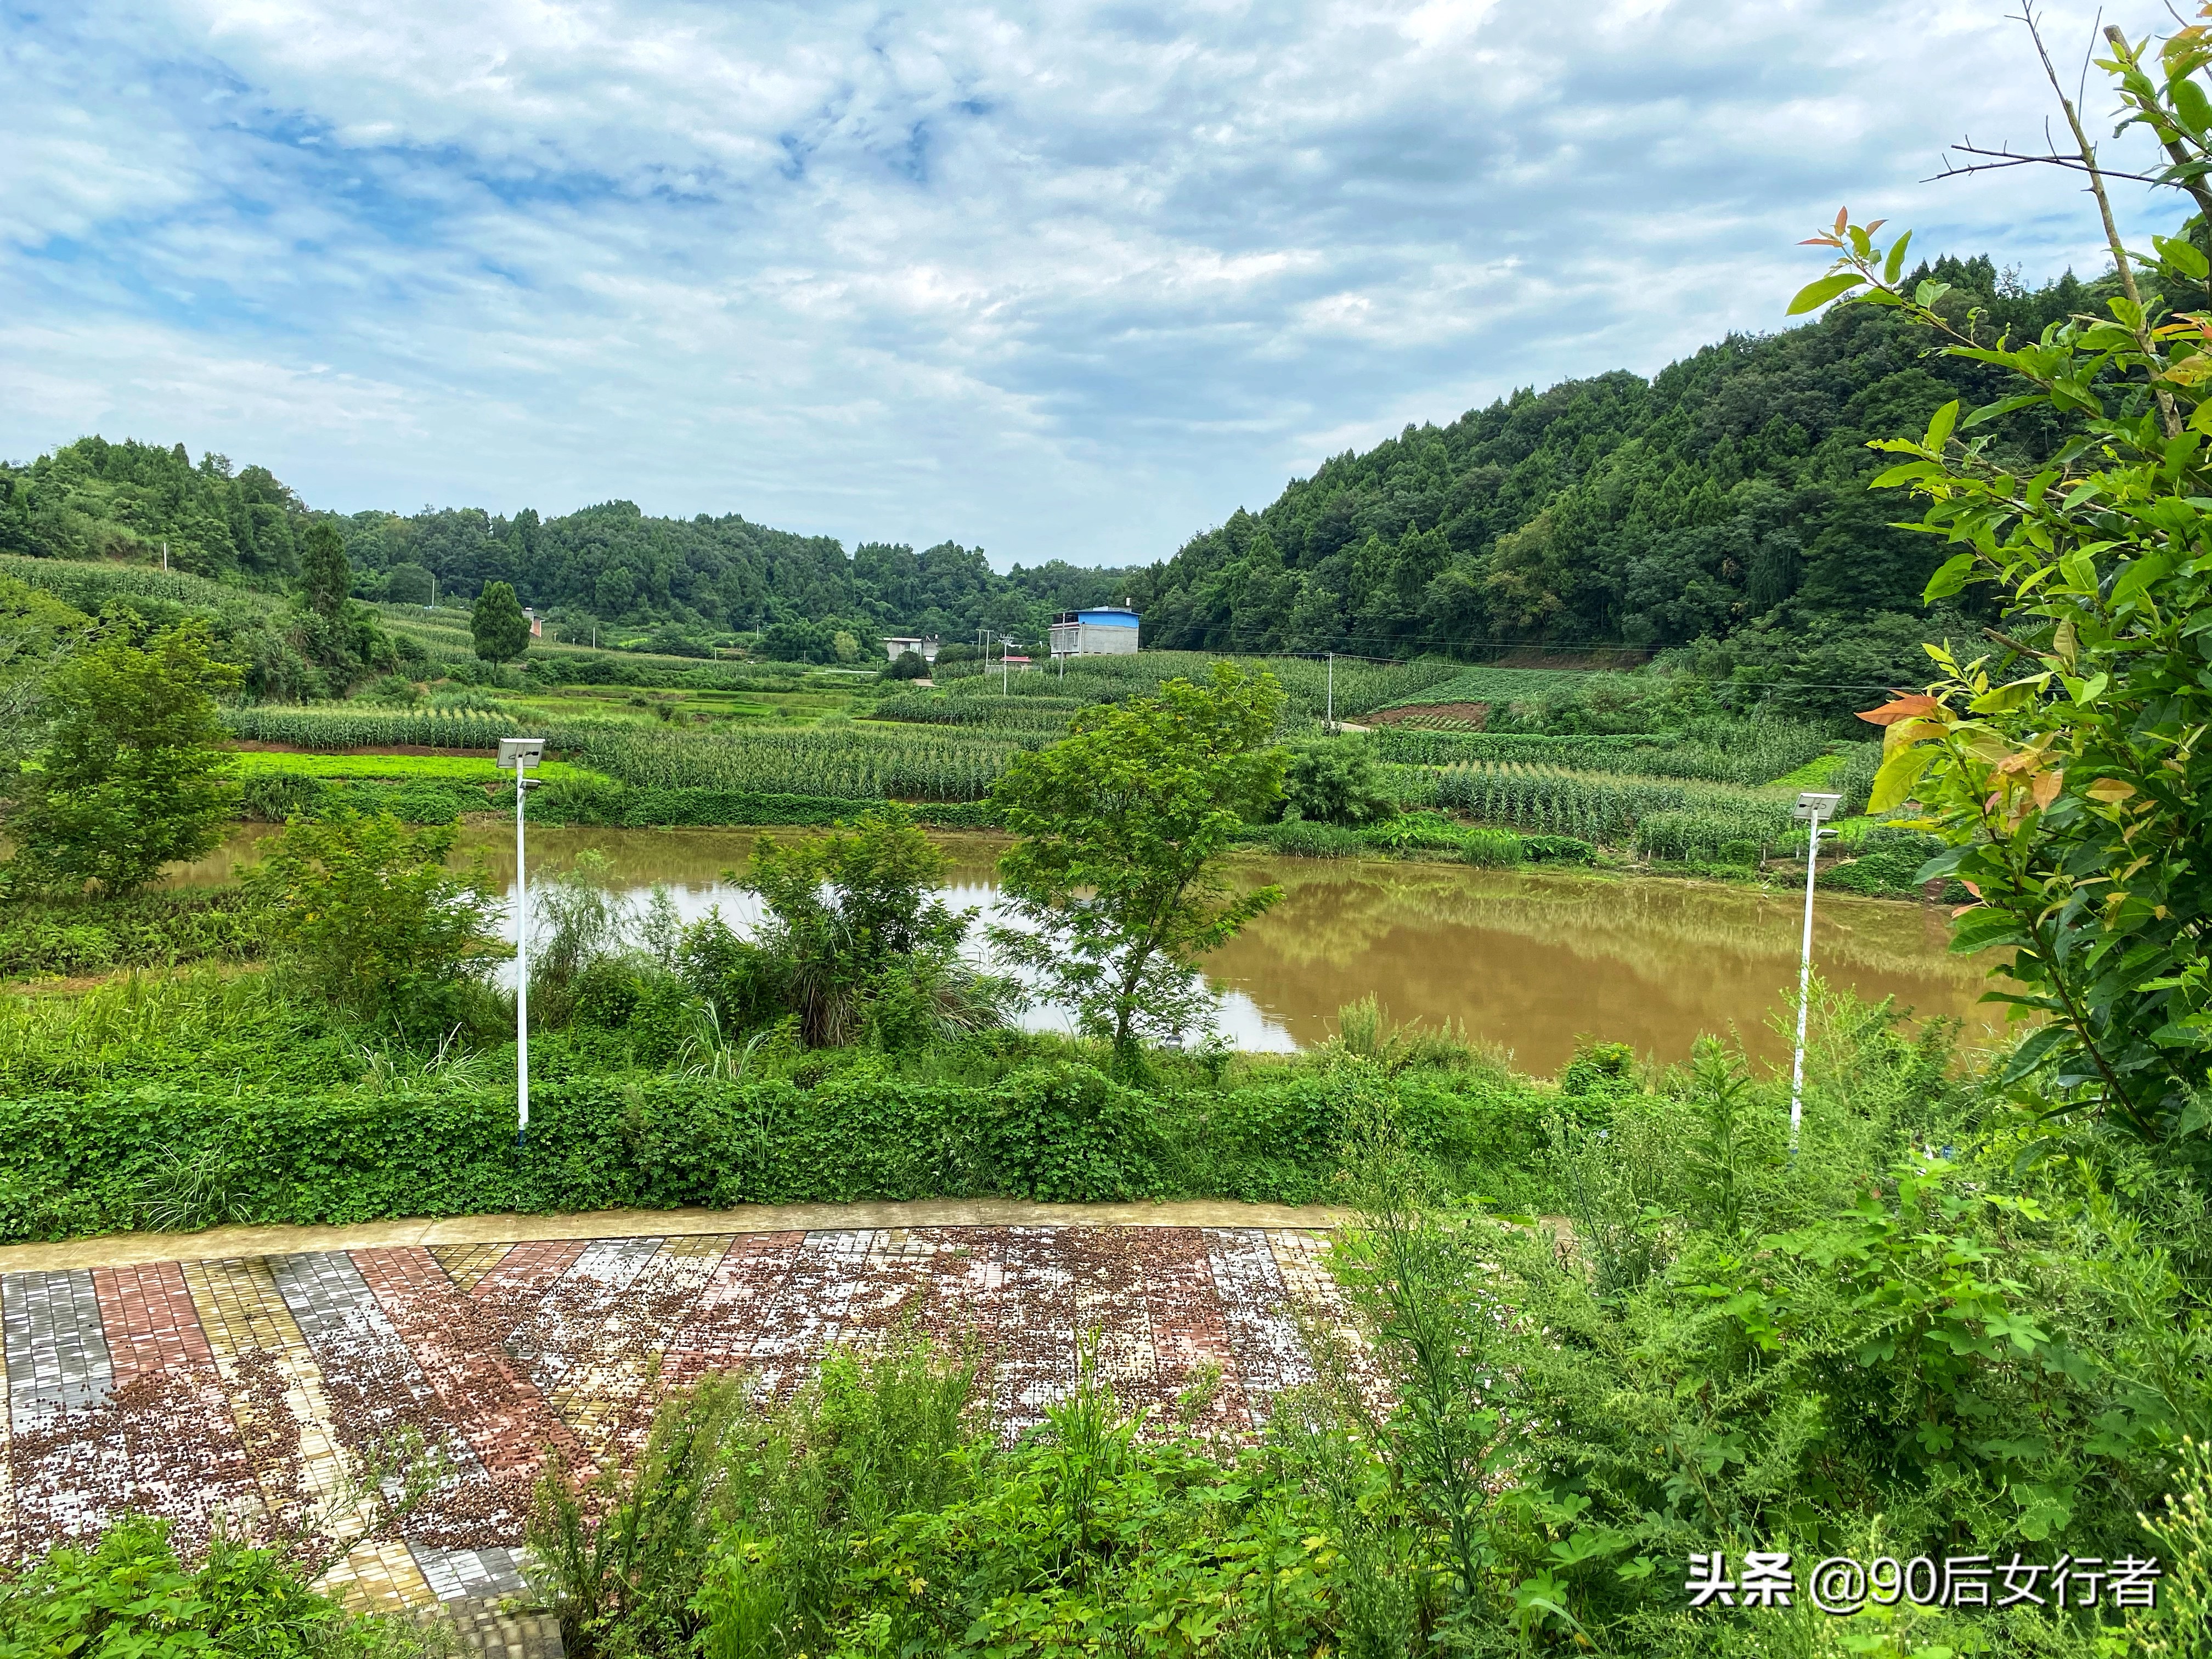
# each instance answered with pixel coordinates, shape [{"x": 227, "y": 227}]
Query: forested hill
[
  {"x": 1722, "y": 505},
  {"x": 610, "y": 564},
  {"x": 1725, "y": 500}
]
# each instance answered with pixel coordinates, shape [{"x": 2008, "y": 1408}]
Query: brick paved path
[{"x": 272, "y": 1389}]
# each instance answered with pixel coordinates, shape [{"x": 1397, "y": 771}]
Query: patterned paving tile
[
  {"x": 732, "y": 1311},
  {"x": 809, "y": 1307},
  {"x": 476, "y": 1383},
  {"x": 1255, "y": 1307},
  {"x": 1190, "y": 1334},
  {"x": 274, "y": 1390},
  {"x": 282, "y": 1407},
  {"x": 57, "y": 1359},
  {"x": 606, "y": 1365},
  {"x": 454, "y": 1574},
  {"x": 467, "y": 1264}
]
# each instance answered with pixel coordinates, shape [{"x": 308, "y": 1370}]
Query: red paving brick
[
  {"x": 478, "y": 1386},
  {"x": 1189, "y": 1333},
  {"x": 150, "y": 1319}
]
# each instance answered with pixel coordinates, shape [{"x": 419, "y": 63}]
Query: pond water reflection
[{"x": 1529, "y": 959}]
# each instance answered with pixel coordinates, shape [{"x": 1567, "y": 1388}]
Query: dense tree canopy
[{"x": 1725, "y": 496}]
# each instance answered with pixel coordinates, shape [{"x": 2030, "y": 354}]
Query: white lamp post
[
  {"x": 521, "y": 756},
  {"x": 1813, "y": 807}
]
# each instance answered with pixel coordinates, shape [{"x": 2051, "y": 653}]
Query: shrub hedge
[{"x": 101, "y": 1160}]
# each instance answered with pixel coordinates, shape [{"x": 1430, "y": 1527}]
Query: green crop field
[
  {"x": 851, "y": 763},
  {"x": 464, "y": 769},
  {"x": 1460, "y": 684}
]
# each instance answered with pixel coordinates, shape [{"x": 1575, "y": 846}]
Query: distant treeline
[
  {"x": 1719, "y": 510},
  {"x": 609, "y": 564}
]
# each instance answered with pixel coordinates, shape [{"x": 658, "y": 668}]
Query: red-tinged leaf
[
  {"x": 1910, "y": 707},
  {"x": 1962, "y": 910},
  {"x": 1842, "y": 219},
  {"x": 2046, "y": 786},
  {"x": 1971, "y": 888}
]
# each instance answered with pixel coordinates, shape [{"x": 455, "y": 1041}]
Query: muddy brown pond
[{"x": 1529, "y": 960}]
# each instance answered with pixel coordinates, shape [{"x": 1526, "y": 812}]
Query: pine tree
[{"x": 501, "y": 631}]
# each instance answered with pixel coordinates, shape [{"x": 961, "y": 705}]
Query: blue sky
[{"x": 1072, "y": 281}]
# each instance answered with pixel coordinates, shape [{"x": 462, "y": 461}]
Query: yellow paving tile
[
  {"x": 467, "y": 1264},
  {"x": 380, "y": 1577},
  {"x": 257, "y": 1344}
]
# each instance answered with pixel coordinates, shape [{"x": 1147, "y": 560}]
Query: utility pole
[
  {"x": 1811, "y": 807},
  {"x": 164, "y": 555},
  {"x": 433, "y": 590},
  {"x": 1331, "y": 721},
  {"x": 521, "y": 756}
]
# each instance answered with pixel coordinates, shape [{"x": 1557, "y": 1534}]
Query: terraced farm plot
[
  {"x": 267, "y": 1389},
  {"x": 464, "y": 769}
]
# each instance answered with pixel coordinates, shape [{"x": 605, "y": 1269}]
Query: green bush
[
  {"x": 147, "y": 930},
  {"x": 276, "y": 797},
  {"x": 1492, "y": 847},
  {"x": 1557, "y": 850},
  {"x": 602, "y": 801},
  {"x": 1335, "y": 781},
  {"x": 1301, "y": 838},
  {"x": 85, "y": 1161},
  {"x": 131, "y": 1595}
]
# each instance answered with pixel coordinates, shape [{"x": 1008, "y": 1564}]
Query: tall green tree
[
  {"x": 133, "y": 775},
  {"x": 326, "y": 577},
  {"x": 848, "y": 909},
  {"x": 1116, "y": 878},
  {"x": 2064, "y": 754},
  {"x": 501, "y": 630}
]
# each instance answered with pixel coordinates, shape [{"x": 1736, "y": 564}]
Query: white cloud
[{"x": 1065, "y": 281}]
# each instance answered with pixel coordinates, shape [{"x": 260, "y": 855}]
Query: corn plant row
[
  {"x": 940, "y": 764},
  {"x": 89, "y": 584},
  {"x": 1593, "y": 806},
  {"x": 1411, "y": 746},
  {"x": 1359, "y": 686},
  {"x": 328, "y": 730},
  {"x": 1011, "y": 713}
]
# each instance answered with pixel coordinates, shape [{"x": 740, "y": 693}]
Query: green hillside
[{"x": 1721, "y": 507}]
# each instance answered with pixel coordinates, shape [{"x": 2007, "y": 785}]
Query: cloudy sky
[{"x": 1065, "y": 281}]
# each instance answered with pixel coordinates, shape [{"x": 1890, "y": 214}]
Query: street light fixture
[
  {"x": 1815, "y": 807},
  {"x": 521, "y": 756}
]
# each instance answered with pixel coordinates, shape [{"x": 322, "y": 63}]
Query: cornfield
[
  {"x": 350, "y": 727},
  {"x": 1408, "y": 746},
  {"x": 850, "y": 764},
  {"x": 1007, "y": 713},
  {"x": 1360, "y": 686},
  {"x": 1748, "y": 752},
  {"x": 89, "y": 584},
  {"x": 1662, "y": 819}
]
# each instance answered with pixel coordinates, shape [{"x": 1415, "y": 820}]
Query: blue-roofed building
[{"x": 1107, "y": 630}]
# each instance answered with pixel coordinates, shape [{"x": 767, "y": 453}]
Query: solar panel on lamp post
[
  {"x": 1813, "y": 806},
  {"x": 521, "y": 756}
]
